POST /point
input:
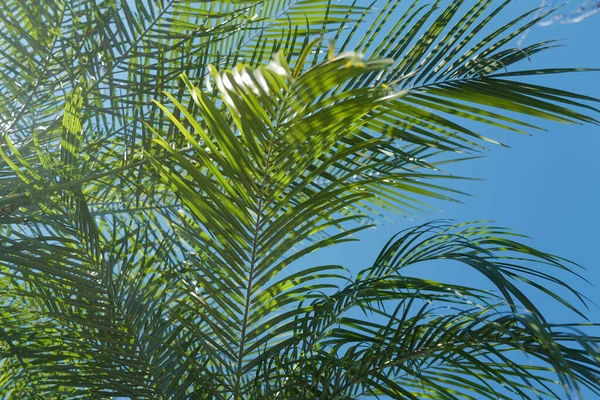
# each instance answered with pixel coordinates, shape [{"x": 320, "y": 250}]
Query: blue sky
[{"x": 546, "y": 186}]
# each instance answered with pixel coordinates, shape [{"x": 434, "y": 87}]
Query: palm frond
[
  {"x": 166, "y": 165},
  {"x": 421, "y": 338}
]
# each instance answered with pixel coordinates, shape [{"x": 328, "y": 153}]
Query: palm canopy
[{"x": 164, "y": 163}]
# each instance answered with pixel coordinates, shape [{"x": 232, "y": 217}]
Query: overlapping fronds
[
  {"x": 165, "y": 163},
  {"x": 389, "y": 333}
]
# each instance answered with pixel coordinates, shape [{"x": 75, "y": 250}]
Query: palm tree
[{"x": 167, "y": 166}]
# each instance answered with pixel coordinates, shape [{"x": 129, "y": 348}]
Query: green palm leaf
[{"x": 167, "y": 166}]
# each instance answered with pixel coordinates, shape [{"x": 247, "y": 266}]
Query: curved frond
[
  {"x": 426, "y": 339},
  {"x": 167, "y": 166}
]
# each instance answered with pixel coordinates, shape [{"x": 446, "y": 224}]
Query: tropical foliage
[{"x": 167, "y": 166}]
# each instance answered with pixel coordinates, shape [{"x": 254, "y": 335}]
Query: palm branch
[{"x": 167, "y": 166}]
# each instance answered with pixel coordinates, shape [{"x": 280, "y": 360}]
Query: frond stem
[{"x": 257, "y": 224}]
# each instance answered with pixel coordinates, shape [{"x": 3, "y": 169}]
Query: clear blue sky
[{"x": 546, "y": 186}]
